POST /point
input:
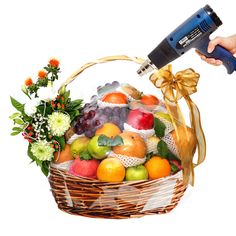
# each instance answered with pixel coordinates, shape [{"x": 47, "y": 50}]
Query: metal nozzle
[
  {"x": 213, "y": 15},
  {"x": 146, "y": 67}
]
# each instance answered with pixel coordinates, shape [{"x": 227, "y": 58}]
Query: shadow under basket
[{"x": 96, "y": 199}]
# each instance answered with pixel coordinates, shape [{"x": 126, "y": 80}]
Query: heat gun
[{"x": 193, "y": 33}]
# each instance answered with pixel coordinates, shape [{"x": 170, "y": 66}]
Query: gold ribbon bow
[{"x": 175, "y": 87}]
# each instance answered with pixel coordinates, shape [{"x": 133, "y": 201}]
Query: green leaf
[
  {"x": 74, "y": 105},
  {"x": 85, "y": 155},
  {"x": 61, "y": 140},
  {"x": 159, "y": 128},
  {"x": 15, "y": 133},
  {"x": 17, "y": 105},
  {"x": 66, "y": 95},
  {"x": 44, "y": 111},
  {"x": 38, "y": 162},
  {"x": 30, "y": 154},
  {"x": 73, "y": 114},
  {"x": 172, "y": 156},
  {"x": 45, "y": 167},
  {"x": 14, "y": 115},
  {"x": 103, "y": 140},
  {"x": 149, "y": 155},
  {"x": 27, "y": 118},
  {"x": 162, "y": 149},
  {"x": 117, "y": 141},
  {"x": 174, "y": 168},
  {"x": 40, "y": 109},
  {"x": 17, "y": 129},
  {"x": 42, "y": 82},
  {"x": 46, "y": 68},
  {"x": 18, "y": 121}
]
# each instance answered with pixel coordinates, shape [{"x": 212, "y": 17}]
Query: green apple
[
  {"x": 79, "y": 145},
  {"x": 136, "y": 173},
  {"x": 96, "y": 151},
  {"x": 163, "y": 115}
]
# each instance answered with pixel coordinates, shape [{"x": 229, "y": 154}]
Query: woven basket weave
[{"x": 92, "y": 198}]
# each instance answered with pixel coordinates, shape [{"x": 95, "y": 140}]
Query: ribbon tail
[
  {"x": 171, "y": 116},
  {"x": 188, "y": 171},
  {"x": 196, "y": 124}
]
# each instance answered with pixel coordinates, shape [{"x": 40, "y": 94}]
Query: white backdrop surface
[{"x": 77, "y": 32}]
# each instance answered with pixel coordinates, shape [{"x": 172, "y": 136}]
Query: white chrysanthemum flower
[
  {"x": 31, "y": 106},
  {"x": 59, "y": 123},
  {"x": 47, "y": 93},
  {"x": 42, "y": 150}
]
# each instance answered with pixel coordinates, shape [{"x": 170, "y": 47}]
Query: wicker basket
[{"x": 92, "y": 198}]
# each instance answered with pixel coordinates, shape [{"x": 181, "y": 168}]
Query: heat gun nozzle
[{"x": 146, "y": 67}]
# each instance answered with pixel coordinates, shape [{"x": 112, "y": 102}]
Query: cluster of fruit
[
  {"x": 92, "y": 117},
  {"x": 117, "y": 138}
]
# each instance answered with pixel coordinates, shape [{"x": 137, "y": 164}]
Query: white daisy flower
[
  {"x": 59, "y": 123},
  {"x": 42, "y": 150}
]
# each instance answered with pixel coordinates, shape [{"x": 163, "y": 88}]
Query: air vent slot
[{"x": 205, "y": 27}]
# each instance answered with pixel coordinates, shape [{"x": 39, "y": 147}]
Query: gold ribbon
[{"x": 175, "y": 87}]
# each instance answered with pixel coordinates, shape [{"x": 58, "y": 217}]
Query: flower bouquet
[
  {"x": 45, "y": 117},
  {"x": 122, "y": 154}
]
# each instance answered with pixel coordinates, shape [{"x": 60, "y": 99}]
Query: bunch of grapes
[
  {"x": 101, "y": 90},
  {"x": 92, "y": 117}
]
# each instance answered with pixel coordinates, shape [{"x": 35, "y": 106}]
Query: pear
[
  {"x": 97, "y": 151},
  {"x": 79, "y": 145},
  {"x": 133, "y": 145},
  {"x": 152, "y": 144},
  {"x": 163, "y": 115}
]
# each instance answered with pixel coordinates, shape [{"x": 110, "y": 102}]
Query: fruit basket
[{"x": 124, "y": 153}]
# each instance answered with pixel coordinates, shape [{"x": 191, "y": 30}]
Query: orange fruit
[
  {"x": 108, "y": 129},
  {"x": 111, "y": 170},
  {"x": 158, "y": 167},
  {"x": 115, "y": 98},
  {"x": 150, "y": 100},
  {"x": 63, "y": 156},
  {"x": 134, "y": 145}
]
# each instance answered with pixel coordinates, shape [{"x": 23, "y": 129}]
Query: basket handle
[{"x": 100, "y": 61}]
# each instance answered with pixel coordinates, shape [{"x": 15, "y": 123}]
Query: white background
[{"x": 77, "y": 32}]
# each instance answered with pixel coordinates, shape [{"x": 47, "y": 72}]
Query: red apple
[
  {"x": 140, "y": 120},
  {"x": 84, "y": 168}
]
